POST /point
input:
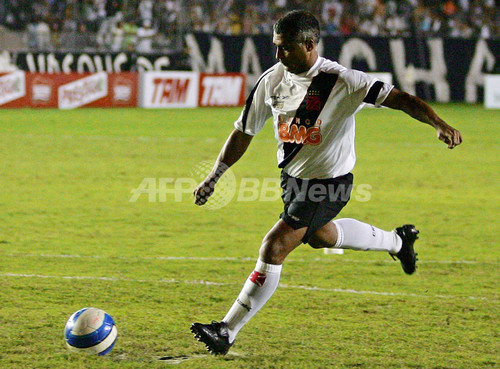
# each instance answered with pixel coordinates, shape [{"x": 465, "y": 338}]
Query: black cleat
[
  {"x": 215, "y": 336},
  {"x": 407, "y": 254}
]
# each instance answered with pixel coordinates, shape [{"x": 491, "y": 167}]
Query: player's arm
[
  {"x": 420, "y": 110},
  {"x": 234, "y": 148}
]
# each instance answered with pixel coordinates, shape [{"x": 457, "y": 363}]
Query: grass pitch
[{"x": 70, "y": 237}]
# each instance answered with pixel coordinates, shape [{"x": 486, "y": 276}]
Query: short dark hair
[{"x": 299, "y": 25}]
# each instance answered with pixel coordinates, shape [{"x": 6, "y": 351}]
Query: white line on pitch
[
  {"x": 208, "y": 283},
  {"x": 243, "y": 259}
]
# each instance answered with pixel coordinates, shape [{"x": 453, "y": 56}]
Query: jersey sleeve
[
  {"x": 364, "y": 88},
  {"x": 256, "y": 111}
]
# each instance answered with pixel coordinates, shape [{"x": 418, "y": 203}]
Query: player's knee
[
  {"x": 315, "y": 242},
  {"x": 272, "y": 252}
]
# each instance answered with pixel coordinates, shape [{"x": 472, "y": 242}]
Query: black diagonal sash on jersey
[{"x": 320, "y": 86}]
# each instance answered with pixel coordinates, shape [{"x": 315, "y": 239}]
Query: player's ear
[{"x": 310, "y": 44}]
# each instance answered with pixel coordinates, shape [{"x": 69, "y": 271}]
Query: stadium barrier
[
  {"x": 492, "y": 91},
  {"x": 435, "y": 69},
  {"x": 21, "y": 89},
  {"x": 67, "y": 91}
]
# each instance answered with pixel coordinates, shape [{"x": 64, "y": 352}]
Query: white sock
[
  {"x": 356, "y": 235},
  {"x": 258, "y": 288}
]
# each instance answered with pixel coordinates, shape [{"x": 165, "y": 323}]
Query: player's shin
[
  {"x": 258, "y": 288},
  {"x": 356, "y": 235}
]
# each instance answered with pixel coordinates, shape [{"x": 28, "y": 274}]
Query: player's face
[{"x": 293, "y": 55}]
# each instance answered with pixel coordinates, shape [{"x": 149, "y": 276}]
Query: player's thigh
[{"x": 280, "y": 241}]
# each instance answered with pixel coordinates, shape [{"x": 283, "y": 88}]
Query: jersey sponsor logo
[
  {"x": 258, "y": 278},
  {"x": 291, "y": 130}
]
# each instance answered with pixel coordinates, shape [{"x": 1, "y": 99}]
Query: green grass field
[{"x": 70, "y": 238}]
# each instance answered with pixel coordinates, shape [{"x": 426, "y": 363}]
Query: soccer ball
[{"x": 90, "y": 330}]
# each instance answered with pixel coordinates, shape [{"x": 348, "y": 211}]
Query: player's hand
[
  {"x": 449, "y": 135},
  {"x": 204, "y": 190}
]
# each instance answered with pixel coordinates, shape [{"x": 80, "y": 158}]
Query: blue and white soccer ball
[{"x": 90, "y": 330}]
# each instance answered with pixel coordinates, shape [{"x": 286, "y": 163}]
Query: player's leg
[
  {"x": 257, "y": 290},
  {"x": 279, "y": 242},
  {"x": 353, "y": 234},
  {"x": 263, "y": 281}
]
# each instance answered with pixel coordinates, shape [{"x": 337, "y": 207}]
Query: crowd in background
[
  {"x": 447, "y": 18},
  {"x": 149, "y": 25}
]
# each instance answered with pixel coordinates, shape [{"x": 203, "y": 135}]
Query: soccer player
[{"x": 312, "y": 101}]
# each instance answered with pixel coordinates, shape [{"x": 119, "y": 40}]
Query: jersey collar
[{"x": 312, "y": 72}]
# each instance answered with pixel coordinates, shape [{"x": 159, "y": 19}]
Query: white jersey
[{"x": 326, "y": 144}]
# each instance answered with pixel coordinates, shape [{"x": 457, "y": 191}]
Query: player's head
[
  {"x": 298, "y": 25},
  {"x": 296, "y": 35}
]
